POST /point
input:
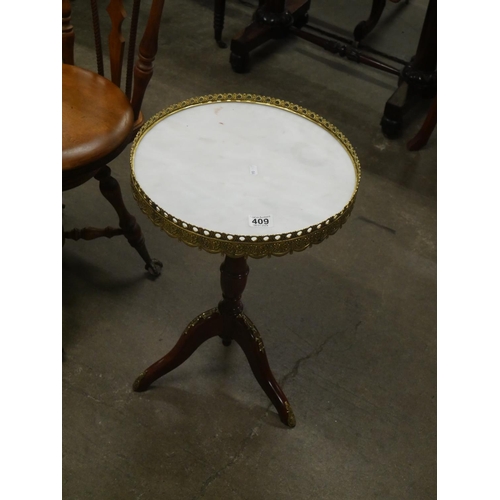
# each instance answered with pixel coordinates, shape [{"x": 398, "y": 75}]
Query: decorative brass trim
[
  {"x": 253, "y": 329},
  {"x": 201, "y": 317},
  {"x": 291, "y": 422},
  {"x": 138, "y": 380},
  {"x": 235, "y": 245}
]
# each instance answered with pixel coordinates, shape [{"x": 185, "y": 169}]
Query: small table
[{"x": 245, "y": 176}]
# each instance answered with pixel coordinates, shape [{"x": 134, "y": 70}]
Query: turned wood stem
[{"x": 233, "y": 279}]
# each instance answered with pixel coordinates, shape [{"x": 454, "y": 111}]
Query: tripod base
[{"x": 228, "y": 322}]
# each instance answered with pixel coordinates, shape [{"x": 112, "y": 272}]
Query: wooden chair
[{"x": 99, "y": 120}]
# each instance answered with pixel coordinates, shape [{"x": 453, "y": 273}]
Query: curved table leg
[
  {"x": 249, "y": 339},
  {"x": 203, "y": 327},
  {"x": 236, "y": 326}
]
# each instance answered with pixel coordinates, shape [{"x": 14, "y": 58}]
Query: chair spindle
[
  {"x": 131, "y": 47},
  {"x": 68, "y": 35},
  {"x": 148, "y": 47},
  {"x": 116, "y": 40},
  {"x": 97, "y": 37}
]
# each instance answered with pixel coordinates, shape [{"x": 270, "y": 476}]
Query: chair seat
[{"x": 96, "y": 117}]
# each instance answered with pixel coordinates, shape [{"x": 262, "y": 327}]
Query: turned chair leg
[{"x": 131, "y": 230}]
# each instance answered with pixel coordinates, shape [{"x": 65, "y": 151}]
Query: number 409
[{"x": 260, "y": 221}]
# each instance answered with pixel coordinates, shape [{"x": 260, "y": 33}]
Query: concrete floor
[{"x": 349, "y": 325}]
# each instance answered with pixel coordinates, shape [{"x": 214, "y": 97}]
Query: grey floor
[{"x": 349, "y": 325}]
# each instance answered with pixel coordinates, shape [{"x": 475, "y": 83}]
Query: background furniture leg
[
  {"x": 272, "y": 20},
  {"x": 422, "y": 136},
  {"x": 364, "y": 27},
  {"x": 219, "y": 13},
  {"x": 411, "y": 90}
]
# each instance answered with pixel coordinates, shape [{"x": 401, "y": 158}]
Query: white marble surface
[{"x": 216, "y": 164}]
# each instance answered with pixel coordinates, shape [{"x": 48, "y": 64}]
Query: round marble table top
[{"x": 244, "y": 175}]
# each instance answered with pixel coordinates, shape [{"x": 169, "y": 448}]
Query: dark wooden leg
[
  {"x": 270, "y": 21},
  {"x": 413, "y": 88},
  {"x": 249, "y": 339},
  {"x": 219, "y": 12},
  {"x": 299, "y": 21},
  {"x": 228, "y": 322},
  {"x": 202, "y": 328},
  {"x": 237, "y": 326},
  {"x": 111, "y": 191},
  {"x": 364, "y": 27},
  {"x": 395, "y": 108},
  {"x": 251, "y": 37},
  {"x": 422, "y": 136}
]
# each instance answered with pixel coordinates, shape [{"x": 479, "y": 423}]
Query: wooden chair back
[{"x": 138, "y": 71}]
